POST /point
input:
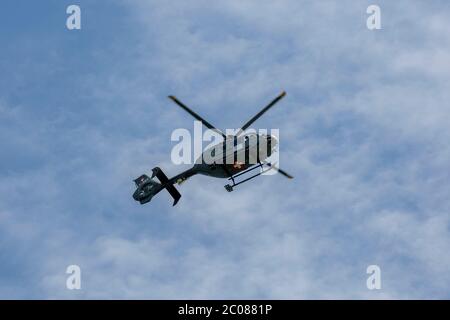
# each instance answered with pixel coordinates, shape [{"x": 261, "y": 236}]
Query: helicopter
[{"x": 223, "y": 159}]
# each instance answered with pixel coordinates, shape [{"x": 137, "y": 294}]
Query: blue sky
[{"x": 364, "y": 129}]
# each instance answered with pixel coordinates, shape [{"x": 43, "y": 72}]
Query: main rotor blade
[
  {"x": 196, "y": 116},
  {"x": 259, "y": 114},
  {"x": 284, "y": 173}
]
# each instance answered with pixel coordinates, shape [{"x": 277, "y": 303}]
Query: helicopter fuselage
[{"x": 229, "y": 158}]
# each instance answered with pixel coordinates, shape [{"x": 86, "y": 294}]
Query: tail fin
[{"x": 165, "y": 182}]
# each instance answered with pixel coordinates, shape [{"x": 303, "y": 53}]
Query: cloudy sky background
[{"x": 365, "y": 130}]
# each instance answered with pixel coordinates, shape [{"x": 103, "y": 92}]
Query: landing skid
[{"x": 229, "y": 187}]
